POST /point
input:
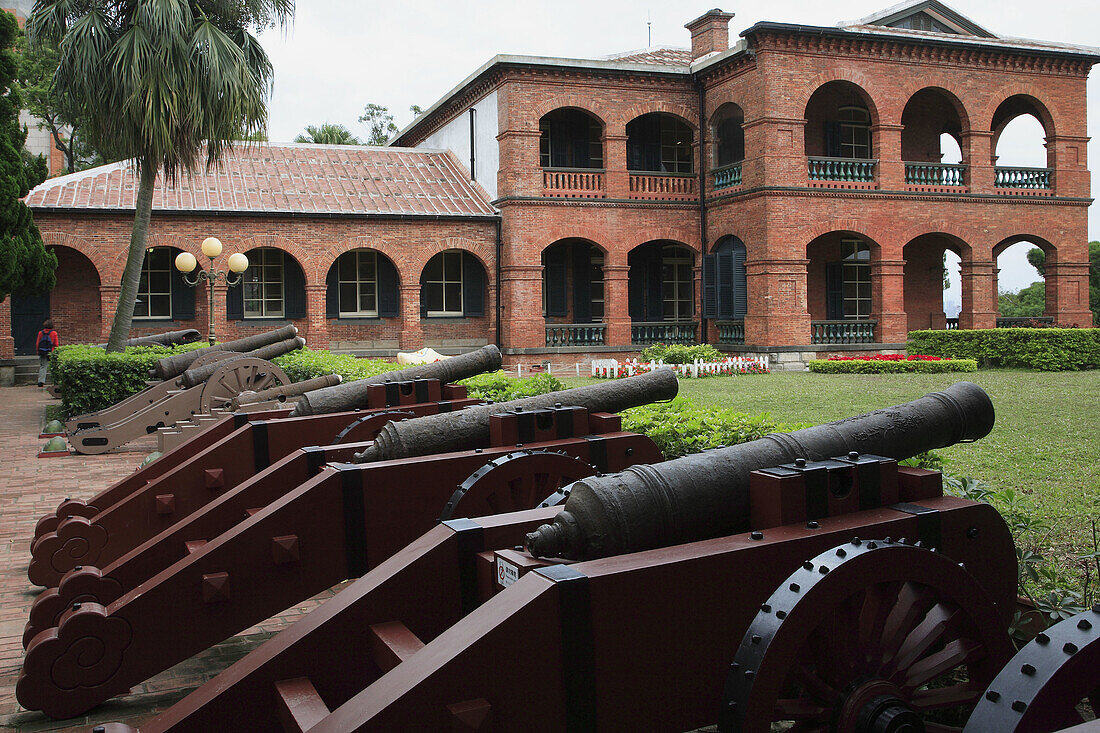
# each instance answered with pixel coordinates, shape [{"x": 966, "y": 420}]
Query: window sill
[
  {"x": 353, "y": 319},
  {"x": 265, "y": 321},
  {"x": 450, "y": 319}
]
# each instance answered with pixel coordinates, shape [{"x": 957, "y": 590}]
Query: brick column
[
  {"x": 522, "y": 323},
  {"x": 775, "y": 152},
  {"x": 108, "y": 304},
  {"x": 7, "y": 343},
  {"x": 979, "y": 308},
  {"x": 1067, "y": 156},
  {"x": 412, "y": 335},
  {"x": 777, "y": 314},
  {"x": 617, "y": 305},
  {"x": 317, "y": 335},
  {"x": 977, "y": 150},
  {"x": 617, "y": 178},
  {"x": 519, "y": 173},
  {"x": 1067, "y": 294},
  {"x": 888, "y": 300},
  {"x": 887, "y": 148}
]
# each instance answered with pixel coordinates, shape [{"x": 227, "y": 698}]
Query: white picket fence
[{"x": 614, "y": 369}]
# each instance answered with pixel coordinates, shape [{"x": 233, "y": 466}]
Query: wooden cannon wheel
[
  {"x": 210, "y": 357},
  {"x": 869, "y": 636},
  {"x": 520, "y": 480},
  {"x": 366, "y": 428},
  {"x": 1051, "y": 684},
  {"x": 240, "y": 375}
]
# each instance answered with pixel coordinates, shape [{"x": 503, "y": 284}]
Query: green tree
[
  {"x": 416, "y": 109},
  {"x": 1038, "y": 259},
  {"x": 328, "y": 134},
  {"x": 1028, "y": 302},
  {"x": 380, "y": 123},
  {"x": 25, "y": 265},
  {"x": 157, "y": 81}
]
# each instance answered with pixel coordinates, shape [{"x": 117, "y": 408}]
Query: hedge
[
  {"x": 304, "y": 364},
  {"x": 680, "y": 353},
  {"x": 1045, "y": 349},
  {"x": 859, "y": 366},
  {"x": 91, "y": 379},
  {"x": 499, "y": 387},
  {"x": 679, "y": 427}
]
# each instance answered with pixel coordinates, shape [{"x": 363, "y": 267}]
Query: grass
[{"x": 1044, "y": 444}]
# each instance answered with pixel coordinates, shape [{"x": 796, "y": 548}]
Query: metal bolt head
[
  {"x": 800, "y": 462},
  {"x": 993, "y": 696},
  {"x": 1084, "y": 624},
  {"x": 757, "y": 535},
  {"x": 1019, "y": 706},
  {"x": 812, "y": 525},
  {"x": 853, "y": 455},
  {"x": 76, "y": 606},
  {"x": 1028, "y": 669}
]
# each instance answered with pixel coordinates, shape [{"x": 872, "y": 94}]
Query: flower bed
[
  {"x": 614, "y": 369},
  {"x": 891, "y": 364}
]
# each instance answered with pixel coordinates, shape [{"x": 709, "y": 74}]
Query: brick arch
[
  {"x": 722, "y": 105},
  {"x": 668, "y": 234},
  {"x": 391, "y": 251},
  {"x": 715, "y": 240},
  {"x": 996, "y": 97},
  {"x": 587, "y": 104},
  {"x": 960, "y": 235},
  {"x": 305, "y": 260},
  {"x": 853, "y": 226},
  {"x": 871, "y": 91},
  {"x": 104, "y": 267},
  {"x": 593, "y": 235},
  {"x": 1042, "y": 243},
  {"x": 942, "y": 87},
  {"x": 481, "y": 251},
  {"x": 681, "y": 111}
]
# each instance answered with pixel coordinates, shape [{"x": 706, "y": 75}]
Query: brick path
[{"x": 31, "y": 487}]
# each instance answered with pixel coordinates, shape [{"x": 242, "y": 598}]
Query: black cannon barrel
[
  {"x": 286, "y": 390},
  {"x": 469, "y": 428},
  {"x": 706, "y": 495},
  {"x": 351, "y": 395},
  {"x": 172, "y": 366},
  {"x": 168, "y": 338},
  {"x": 198, "y": 375}
]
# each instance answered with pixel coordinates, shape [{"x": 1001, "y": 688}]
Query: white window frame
[
  {"x": 857, "y": 273},
  {"x": 145, "y": 294},
  {"x": 265, "y": 269},
  {"x": 672, "y": 290},
  {"x": 855, "y": 133},
  {"x": 453, "y": 255},
  {"x": 360, "y": 283}
]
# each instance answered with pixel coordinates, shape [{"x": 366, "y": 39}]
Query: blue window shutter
[
  {"x": 183, "y": 297},
  {"x": 554, "y": 282},
  {"x": 332, "y": 291},
  {"x": 740, "y": 282},
  {"x": 834, "y": 291},
  {"x": 725, "y": 283},
  {"x": 710, "y": 286},
  {"x": 389, "y": 289},
  {"x": 234, "y": 301},
  {"x": 473, "y": 287},
  {"x": 582, "y": 283},
  {"x": 294, "y": 289}
]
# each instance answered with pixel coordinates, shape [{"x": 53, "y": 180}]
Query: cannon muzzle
[
  {"x": 469, "y": 428},
  {"x": 198, "y": 375},
  {"x": 707, "y": 494},
  {"x": 287, "y": 390},
  {"x": 168, "y": 338},
  {"x": 172, "y": 366},
  {"x": 351, "y": 395}
]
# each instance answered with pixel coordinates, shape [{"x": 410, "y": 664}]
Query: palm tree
[
  {"x": 328, "y": 134},
  {"x": 155, "y": 81}
]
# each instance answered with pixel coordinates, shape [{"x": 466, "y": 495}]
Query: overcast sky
[{"x": 341, "y": 54}]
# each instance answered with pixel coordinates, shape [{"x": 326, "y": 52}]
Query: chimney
[{"x": 710, "y": 33}]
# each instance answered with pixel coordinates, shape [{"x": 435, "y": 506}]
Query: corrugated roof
[{"x": 288, "y": 178}]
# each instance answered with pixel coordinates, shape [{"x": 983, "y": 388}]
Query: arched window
[
  {"x": 659, "y": 142},
  {"x": 661, "y": 284},
  {"x": 848, "y": 282},
  {"x": 570, "y": 138},
  {"x": 362, "y": 284},
  {"x": 725, "y": 285},
  {"x": 273, "y": 286},
  {"x": 573, "y": 267},
  {"x": 729, "y": 136},
  {"x": 452, "y": 285}
]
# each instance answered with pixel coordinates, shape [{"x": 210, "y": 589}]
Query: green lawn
[{"x": 1044, "y": 445}]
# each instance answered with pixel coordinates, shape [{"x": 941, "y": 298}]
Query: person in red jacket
[{"x": 46, "y": 341}]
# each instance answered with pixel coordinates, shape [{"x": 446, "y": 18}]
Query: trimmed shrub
[
  {"x": 499, "y": 387},
  {"x": 91, "y": 379},
  {"x": 679, "y": 427},
  {"x": 304, "y": 364},
  {"x": 1045, "y": 349},
  {"x": 680, "y": 353},
  {"x": 875, "y": 366}
]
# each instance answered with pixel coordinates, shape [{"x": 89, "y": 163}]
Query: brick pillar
[
  {"x": 412, "y": 335},
  {"x": 1067, "y": 156},
  {"x": 1067, "y": 294},
  {"x": 7, "y": 343},
  {"x": 775, "y": 152},
  {"x": 617, "y": 178},
  {"x": 108, "y": 303},
  {"x": 523, "y": 325},
  {"x": 887, "y": 149},
  {"x": 617, "y": 305},
  {"x": 519, "y": 173},
  {"x": 977, "y": 150},
  {"x": 777, "y": 314},
  {"x": 888, "y": 301},
  {"x": 979, "y": 309},
  {"x": 317, "y": 335}
]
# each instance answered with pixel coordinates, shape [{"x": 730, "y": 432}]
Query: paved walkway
[{"x": 31, "y": 487}]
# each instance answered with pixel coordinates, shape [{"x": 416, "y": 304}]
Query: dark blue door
[{"x": 27, "y": 314}]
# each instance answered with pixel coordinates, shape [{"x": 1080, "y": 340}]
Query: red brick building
[{"x": 785, "y": 195}]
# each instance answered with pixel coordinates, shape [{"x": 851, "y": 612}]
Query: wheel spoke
[
  {"x": 877, "y": 603},
  {"x": 800, "y": 708},
  {"x": 953, "y": 654},
  {"x": 946, "y": 697},
  {"x": 913, "y": 602},
  {"x": 814, "y": 685},
  {"x": 935, "y": 626}
]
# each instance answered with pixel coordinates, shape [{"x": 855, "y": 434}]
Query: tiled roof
[
  {"x": 288, "y": 178},
  {"x": 658, "y": 56}
]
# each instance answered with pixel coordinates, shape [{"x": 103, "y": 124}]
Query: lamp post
[{"x": 212, "y": 247}]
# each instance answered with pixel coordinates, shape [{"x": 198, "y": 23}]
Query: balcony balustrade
[
  {"x": 731, "y": 332},
  {"x": 848, "y": 170},
  {"x": 843, "y": 332},
  {"x": 952, "y": 324},
  {"x": 663, "y": 186},
  {"x": 577, "y": 183},
  {"x": 1027, "y": 178},
  {"x": 663, "y": 332},
  {"x": 576, "y": 334},
  {"x": 934, "y": 174},
  {"x": 727, "y": 177}
]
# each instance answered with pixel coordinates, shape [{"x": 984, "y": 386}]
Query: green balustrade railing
[
  {"x": 727, "y": 177},
  {"x": 731, "y": 332},
  {"x": 663, "y": 332},
  {"x": 934, "y": 174},
  {"x": 576, "y": 334},
  {"x": 1031, "y": 178},
  {"x": 853, "y": 170},
  {"x": 843, "y": 332}
]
